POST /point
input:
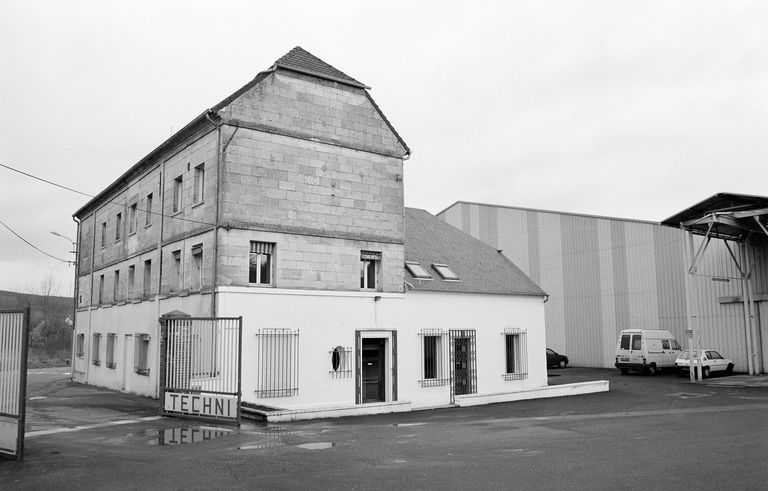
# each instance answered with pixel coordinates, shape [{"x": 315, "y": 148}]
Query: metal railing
[{"x": 277, "y": 372}]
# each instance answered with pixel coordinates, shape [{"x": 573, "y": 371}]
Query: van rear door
[{"x": 631, "y": 349}]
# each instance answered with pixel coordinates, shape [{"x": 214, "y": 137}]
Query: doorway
[
  {"x": 375, "y": 366},
  {"x": 463, "y": 365},
  {"x": 374, "y": 375}
]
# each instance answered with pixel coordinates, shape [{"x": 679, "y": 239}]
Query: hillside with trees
[{"x": 50, "y": 338}]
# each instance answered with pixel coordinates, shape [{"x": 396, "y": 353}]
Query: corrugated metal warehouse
[{"x": 607, "y": 274}]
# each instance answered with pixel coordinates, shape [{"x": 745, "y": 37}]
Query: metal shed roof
[{"x": 727, "y": 216}]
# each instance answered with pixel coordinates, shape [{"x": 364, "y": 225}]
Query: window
[
  {"x": 277, "y": 368},
  {"x": 129, "y": 289},
  {"x": 637, "y": 342},
  {"x": 176, "y": 271},
  {"x": 177, "y": 195},
  {"x": 104, "y": 234},
  {"x": 80, "y": 345},
  {"x": 197, "y": 261},
  {"x": 140, "y": 355},
  {"x": 147, "y": 289},
  {"x": 110, "y": 358},
  {"x": 118, "y": 226},
  {"x": 434, "y": 359},
  {"x": 624, "y": 344},
  {"x": 341, "y": 362},
  {"x": 260, "y": 263},
  {"x": 148, "y": 211},
  {"x": 369, "y": 270},
  {"x": 445, "y": 272},
  {"x": 132, "y": 219},
  {"x": 199, "y": 183},
  {"x": 665, "y": 344},
  {"x": 101, "y": 289},
  {"x": 95, "y": 348},
  {"x": 116, "y": 287},
  {"x": 417, "y": 271},
  {"x": 516, "y": 354}
]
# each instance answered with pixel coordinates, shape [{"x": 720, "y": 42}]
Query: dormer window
[
  {"x": 417, "y": 271},
  {"x": 445, "y": 272}
]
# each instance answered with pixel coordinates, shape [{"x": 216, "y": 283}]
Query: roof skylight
[
  {"x": 446, "y": 272},
  {"x": 417, "y": 270}
]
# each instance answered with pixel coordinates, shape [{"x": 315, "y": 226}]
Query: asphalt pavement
[{"x": 659, "y": 432}]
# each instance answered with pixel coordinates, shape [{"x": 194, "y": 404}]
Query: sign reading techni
[{"x": 212, "y": 406}]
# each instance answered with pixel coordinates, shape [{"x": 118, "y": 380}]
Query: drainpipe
[
  {"x": 216, "y": 219},
  {"x": 90, "y": 300},
  {"x": 745, "y": 302},
  {"x": 759, "y": 362},
  {"x": 75, "y": 301},
  {"x": 159, "y": 274}
]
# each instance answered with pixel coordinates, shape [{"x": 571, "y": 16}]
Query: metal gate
[
  {"x": 200, "y": 367},
  {"x": 463, "y": 363},
  {"x": 14, "y": 338}
]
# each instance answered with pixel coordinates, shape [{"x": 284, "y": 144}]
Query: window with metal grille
[
  {"x": 277, "y": 371},
  {"x": 434, "y": 358},
  {"x": 260, "y": 263},
  {"x": 369, "y": 270},
  {"x": 341, "y": 362},
  {"x": 516, "y": 354},
  {"x": 80, "y": 345},
  {"x": 110, "y": 358},
  {"x": 141, "y": 354},
  {"x": 95, "y": 349}
]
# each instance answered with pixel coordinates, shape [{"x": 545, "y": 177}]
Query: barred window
[
  {"x": 141, "y": 354},
  {"x": 110, "y": 358},
  {"x": 260, "y": 263},
  {"x": 95, "y": 349},
  {"x": 516, "y": 354},
  {"x": 277, "y": 372},
  {"x": 434, "y": 357},
  {"x": 341, "y": 362}
]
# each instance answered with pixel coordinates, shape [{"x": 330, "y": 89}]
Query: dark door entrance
[
  {"x": 373, "y": 370},
  {"x": 463, "y": 362}
]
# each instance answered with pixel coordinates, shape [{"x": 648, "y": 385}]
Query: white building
[{"x": 283, "y": 204}]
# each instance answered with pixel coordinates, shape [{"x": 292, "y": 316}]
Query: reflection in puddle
[
  {"x": 188, "y": 434},
  {"x": 316, "y": 445}
]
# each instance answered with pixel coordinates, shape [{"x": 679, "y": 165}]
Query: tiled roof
[
  {"x": 480, "y": 267},
  {"x": 301, "y": 60}
]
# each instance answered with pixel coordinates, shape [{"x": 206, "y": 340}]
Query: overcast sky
[{"x": 634, "y": 109}]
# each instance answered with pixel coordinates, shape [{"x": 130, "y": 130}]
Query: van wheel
[
  {"x": 705, "y": 372},
  {"x": 729, "y": 370},
  {"x": 624, "y": 371},
  {"x": 651, "y": 370}
]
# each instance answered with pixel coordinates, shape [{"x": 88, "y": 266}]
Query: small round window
[{"x": 336, "y": 356}]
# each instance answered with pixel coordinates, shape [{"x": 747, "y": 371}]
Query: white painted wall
[{"x": 329, "y": 319}]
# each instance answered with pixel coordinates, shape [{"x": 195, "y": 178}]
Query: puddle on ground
[
  {"x": 316, "y": 445},
  {"x": 409, "y": 424},
  {"x": 186, "y": 434}
]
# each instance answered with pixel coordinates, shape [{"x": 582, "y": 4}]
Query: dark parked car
[{"x": 555, "y": 359}]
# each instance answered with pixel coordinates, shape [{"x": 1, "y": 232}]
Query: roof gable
[
  {"x": 480, "y": 267},
  {"x": 302, "y": 61}
]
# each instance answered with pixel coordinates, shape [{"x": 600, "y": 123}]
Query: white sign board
[
  {"x": 209, "y": 405},
  {"x": 9, "y": 435}
]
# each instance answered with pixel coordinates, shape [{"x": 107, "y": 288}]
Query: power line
[
  {"x": 46, "y": 181},
  {"x": 33, "y": 245},
  {"x": 173, "y": 217}
]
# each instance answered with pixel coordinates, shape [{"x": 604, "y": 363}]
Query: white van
[{"x": 647, "y": 350}]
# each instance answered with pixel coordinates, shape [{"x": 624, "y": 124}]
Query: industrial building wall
[{"x": 606, "y": 274}]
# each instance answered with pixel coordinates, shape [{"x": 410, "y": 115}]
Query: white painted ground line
[{"x": 52, "y": 431}]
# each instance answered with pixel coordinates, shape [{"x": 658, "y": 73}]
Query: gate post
[{"x": 164, "y": 319}]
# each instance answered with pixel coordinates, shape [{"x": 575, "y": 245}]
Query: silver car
[{"x": 712, "y": 361}]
